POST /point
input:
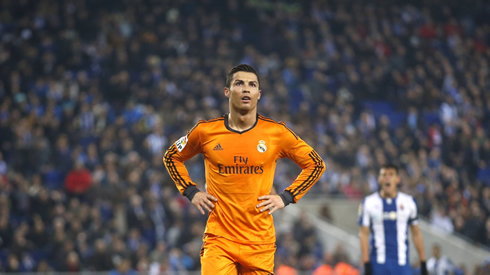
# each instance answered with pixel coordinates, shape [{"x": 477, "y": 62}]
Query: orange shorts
[{"x": 223, "y": 257}]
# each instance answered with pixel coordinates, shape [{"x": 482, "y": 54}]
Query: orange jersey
[{"x": 240, "y": 168}]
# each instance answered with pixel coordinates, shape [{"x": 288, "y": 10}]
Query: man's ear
[
  {"x": 260, "y": 94},
  {"x": 227, "y": 92}
]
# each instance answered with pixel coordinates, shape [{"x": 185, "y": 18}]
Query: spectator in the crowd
[
  {"x": 441, "y": 220},
  {"x": 284, "y": 269},
  {"x": 13, "y": 264},
  {"x": 101, "y": 259},
  {"x": 486, "y": 266},
  {"x": 78, "y": 180},
  {"x": 439, "y": 264},
  {"x": 487, "y": 232},
  {"x": 326, "y": 268},
  {"x": 303, "y": 228},
  {"x": 6, "y": 234},
  {"x": 160, "y": 253},
  {"x": 326, "y": 213},
  {"x": 474, "y": 226},
  {"x": 72, "y": 263},
  {"x": 43, "y": 267},
  {"x": 123, "y": 268},
  {"x": 342, "y": 262},
  {"x": 38, "y": 236}
]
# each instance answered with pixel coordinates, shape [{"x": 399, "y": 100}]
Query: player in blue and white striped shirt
[{"x": 385, "y": 217}]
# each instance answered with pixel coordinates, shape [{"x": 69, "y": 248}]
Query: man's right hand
[{"x": 203, "y": 200}]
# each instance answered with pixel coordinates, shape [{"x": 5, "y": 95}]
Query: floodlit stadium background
[{"x": 92, "y": 92}]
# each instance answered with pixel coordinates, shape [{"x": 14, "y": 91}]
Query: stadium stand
[{"x": 92, "y": 93}]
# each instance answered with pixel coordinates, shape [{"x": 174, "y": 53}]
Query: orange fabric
[
  {"x": 286, "y": 270},
  {"x": 239, "y": 168},
  {"x": 222, "y": 256},
  {"x": 324, "y": 269},
  {"x": 345, "y": 269}
]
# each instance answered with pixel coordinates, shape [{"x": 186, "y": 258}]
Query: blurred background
[{"x": 92, "y": 92}]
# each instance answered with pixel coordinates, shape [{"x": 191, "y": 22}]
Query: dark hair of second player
[{"x": 390, "y": 166}]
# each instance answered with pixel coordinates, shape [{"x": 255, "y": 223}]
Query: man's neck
[
  {"x": 387, "y": 195},
  {"x": 242, "y": 121}
]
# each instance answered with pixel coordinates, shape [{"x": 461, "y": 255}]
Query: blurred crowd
[{"x": 93, "y": 92}]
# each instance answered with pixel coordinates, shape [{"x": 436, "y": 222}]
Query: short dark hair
[
  {"x": 390, "y": 166},
  {"x": 240, "y": 68}
]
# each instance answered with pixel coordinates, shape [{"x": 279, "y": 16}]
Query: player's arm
[
  {"x": 417, "y": 238},
  {"x": 313, "y": 167},
  {"x": 364, "y": 240},
  {"x": 364, "y": 232},
  {"x": 418, "y": 242},
  {"x": 305, "y": 157},
  {"x": 183, "y": 149}
]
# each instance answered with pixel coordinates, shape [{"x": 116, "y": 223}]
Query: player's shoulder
[
  {"x": 406, "y": 197},
  {"x": 371, "y": 198},
  {"x": 278, "y": 125},
  {"x": 204, "y": 124},
  {"x": 209, "y": 122},
  {"x": 213, "y": 120},
  {"x": 269, "y": 120}
]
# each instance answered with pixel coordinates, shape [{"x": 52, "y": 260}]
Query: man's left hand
[{"x": 271, "y": 203}]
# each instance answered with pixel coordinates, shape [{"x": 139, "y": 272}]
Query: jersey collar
[
  {"x": 396, "y": 196},
  {"x": 240, "y": 132}
]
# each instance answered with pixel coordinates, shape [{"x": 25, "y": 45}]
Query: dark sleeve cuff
[
  {"x": 287, "y": 198},
  {"x": 191, "y": 191}
]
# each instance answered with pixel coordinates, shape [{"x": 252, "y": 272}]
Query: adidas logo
[{"x": 218, "y": 147}]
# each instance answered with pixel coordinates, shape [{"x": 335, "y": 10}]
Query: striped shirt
[{"x": 388, "y": 220}]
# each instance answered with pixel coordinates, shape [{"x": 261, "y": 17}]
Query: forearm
[
  {"x": 418, "y": 242},
  {"x": 179, "y": 174},
  {"x": 307, "y": 178},
  {"x": 364, "y": 241}
]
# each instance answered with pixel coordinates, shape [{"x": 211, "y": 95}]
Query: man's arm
[
  {"x": 364, "y": 239},
  {"x": 364, "y": 232},
  {"x": 417, "y": 237},
  {"x": 294, "y": 148},
  {"x": 183, "y": 149},
  {"x": 418, "y": 242}
]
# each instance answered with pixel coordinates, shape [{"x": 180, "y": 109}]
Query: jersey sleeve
[
  {"x": 414, "y": 216},
  {"x": 364, "y": 219},
  {"x": 297, "y": 150},
  {"x": 183, "y": 149}
]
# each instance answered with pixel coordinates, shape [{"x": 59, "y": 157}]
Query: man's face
[
  {"x": 243, "y": 92},
  {"x": 388, "y": 179},
  {"x": 436, "y": 251}
]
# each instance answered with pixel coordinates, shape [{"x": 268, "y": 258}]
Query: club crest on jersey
[
  {"x": 181, "y": 143},
  {"x": 261, "y": 146}
]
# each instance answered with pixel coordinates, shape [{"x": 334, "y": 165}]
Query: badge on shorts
[
  {"x": 261, "y": 146},
  {"x": 181, "y": 143}
]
